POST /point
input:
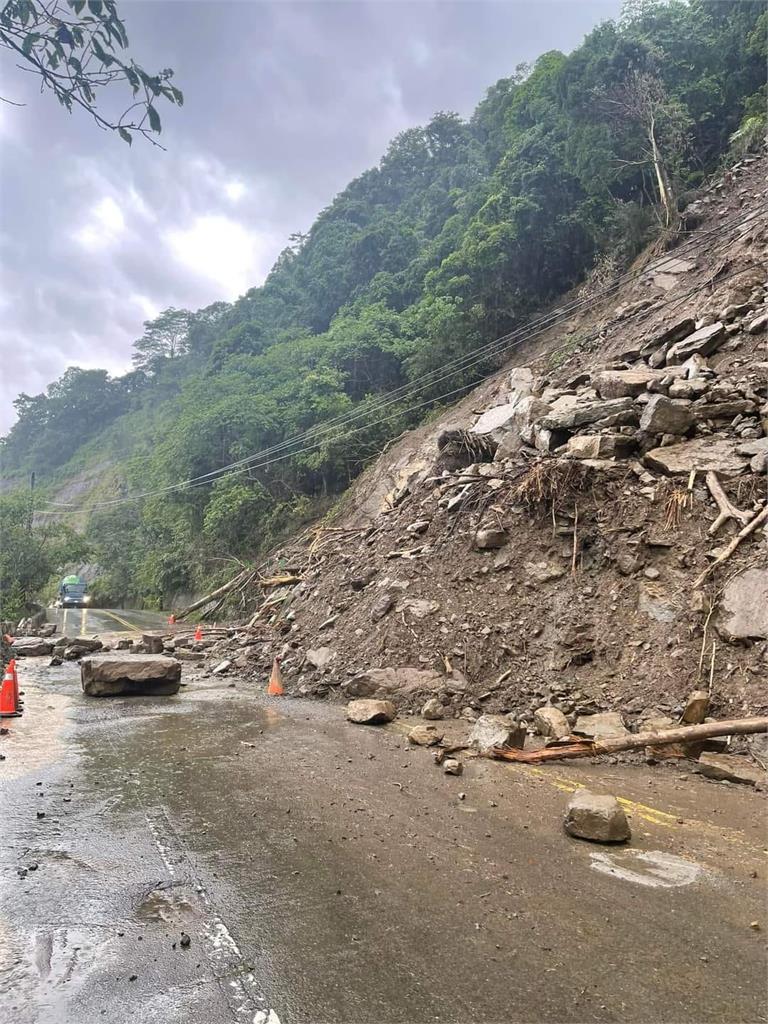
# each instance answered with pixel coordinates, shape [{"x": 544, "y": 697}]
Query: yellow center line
[
  {"x": 651, "y": 814},
  {"x": 128, "y": 625},
  {"x": 82, "y": 623}
]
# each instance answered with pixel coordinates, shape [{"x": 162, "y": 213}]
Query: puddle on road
[
  {"x": 166, "y": 903},
  {"x": 651, "y": 868}
]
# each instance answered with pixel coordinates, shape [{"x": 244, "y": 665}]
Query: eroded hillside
[{"x": 578, "y": 564}]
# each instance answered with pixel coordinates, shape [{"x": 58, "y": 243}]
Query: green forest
[{"x": 463, "y": 230}]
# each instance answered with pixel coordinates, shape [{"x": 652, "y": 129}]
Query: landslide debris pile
[{"x": 552, "y": 540}]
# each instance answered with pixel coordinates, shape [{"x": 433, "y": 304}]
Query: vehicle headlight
[{"x": 87, "y": 599}]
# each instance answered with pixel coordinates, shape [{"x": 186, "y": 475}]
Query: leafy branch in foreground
[{"x": 75, "y": 49}]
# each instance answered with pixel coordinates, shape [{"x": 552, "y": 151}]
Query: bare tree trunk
[
  {"x": 611, "y": 745},
  {"x": 662, "y": 178},
  {"x": 212, "y": 596}
]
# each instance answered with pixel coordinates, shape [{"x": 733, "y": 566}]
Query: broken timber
[{"x": 570, "y": 748}]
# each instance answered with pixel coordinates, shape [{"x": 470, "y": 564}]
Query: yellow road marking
[
  {"x": 133, "y": 629},
  {"x": 651, "y": 814},
  {"x": 82, "y": 623}
]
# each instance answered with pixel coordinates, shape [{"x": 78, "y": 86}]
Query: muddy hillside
[{"x": 588, "y": 528}]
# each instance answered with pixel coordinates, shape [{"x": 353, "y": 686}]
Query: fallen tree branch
[
  {"x": 758, "y": 520},
  {"x": 571, "y": 747},
  {"x": 727, "y": 510},
  {"x": 279, "y": 581},
  {"x": 213, "y": 595}
]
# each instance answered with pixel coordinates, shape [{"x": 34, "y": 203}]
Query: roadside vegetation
[{"x": 461, "y": 232}]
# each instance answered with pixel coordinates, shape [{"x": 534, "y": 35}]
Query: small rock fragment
[
  {"x": 432, "y": 710},
  {"x": 424, "y": 735},
  {"x": 370, "y": 712},
  {"x": 696, "y": 708},
  {"x": 452, "y": 767}
]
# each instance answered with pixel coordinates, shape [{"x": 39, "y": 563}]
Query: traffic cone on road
[
  {"x": 171, "y": 620},
  {"x": 199, "y": 633},
  {"x": 12, "y": 670},
  {"x": 9, "y": 707},
  {"x": 275, "y": 688}
]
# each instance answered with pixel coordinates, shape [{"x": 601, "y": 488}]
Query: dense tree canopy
[{"x": 461, "y": 231}]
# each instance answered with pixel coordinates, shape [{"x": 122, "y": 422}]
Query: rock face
[
  {"x": 602, "y": 726},
  {"x": 664, "y": 415},
  {"x": 491, "y": 731},
  {"x": 596, "y": 817},
  {"x": 552, "y": 722},
  {"x": 112, "y": 675},
  {"x": 743, "y": 612},
  {"x": 702, "y": 342},
  {"x": 702, "y": 454},
  {"x": 370, "y": 712}
]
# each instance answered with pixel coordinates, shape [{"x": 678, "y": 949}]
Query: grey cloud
[{"x": 290, "y": 100}]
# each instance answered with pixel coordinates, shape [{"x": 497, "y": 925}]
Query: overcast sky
[{"x": 284, "y": 104}]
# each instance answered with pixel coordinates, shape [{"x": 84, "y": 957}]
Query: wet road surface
[
  {"x": 327, "y": 872},
  {"x": 88, "y": 621}
]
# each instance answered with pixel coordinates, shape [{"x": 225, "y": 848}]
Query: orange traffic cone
[
  {"x": 8, "y": 705},
  {"x": 171, "y": 620},
  {"x": 199, "y": 633},
  {"x": 275, "y": 688},
  {"x": 15, "y": 674}
]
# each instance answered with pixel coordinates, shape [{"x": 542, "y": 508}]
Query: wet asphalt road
[
  {"x": 88, "y": 621},
  {"x": 327, "y": 872}
]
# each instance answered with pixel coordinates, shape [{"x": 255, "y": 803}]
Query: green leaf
[
  {"x": 133, "y": 78},
  {"x": 95, "y": 7},
  {"x": 178, "y": 95},
  {"x": 77, "y": 5},
  {"x": 29, "y": 42},
  {"x": 154, "y": 119},
  {"x": 75, "y": 64},
  {"x": 125, "y": 136}
]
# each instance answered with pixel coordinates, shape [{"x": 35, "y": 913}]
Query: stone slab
[{"x": 115, "y": 675}]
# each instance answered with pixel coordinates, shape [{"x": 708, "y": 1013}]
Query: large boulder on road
[
  {"x": 596, "y": 817},
  {"x": 115, "y": 675},
  {"x": 31, "y": 647}
]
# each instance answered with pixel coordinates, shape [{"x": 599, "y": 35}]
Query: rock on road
[{"x": 216, "y": 857}]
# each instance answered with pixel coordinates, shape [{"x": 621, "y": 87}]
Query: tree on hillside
[
  {"x": 644, "y": 102},
  {"x": 30, "y": 554},
  {"x": 75, "y": 50},
  {"x": 165, "y": 338}
]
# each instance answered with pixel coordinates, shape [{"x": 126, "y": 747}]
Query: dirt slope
[{"x": 565, "y": 569}]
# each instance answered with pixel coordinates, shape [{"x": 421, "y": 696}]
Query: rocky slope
[{"x": 558, "y": 545}]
